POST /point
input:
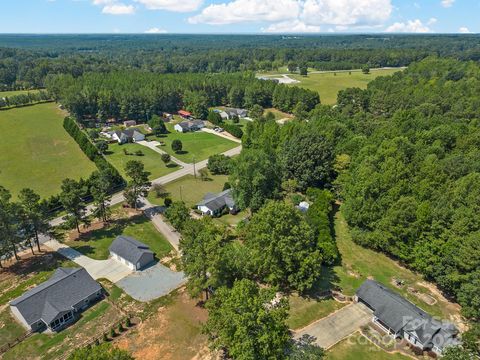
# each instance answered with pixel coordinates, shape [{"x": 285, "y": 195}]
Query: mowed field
[
  {"x": 36, "y": 152},
  {"x": 15, "y": 92},
  {"x": 328, "y": 84}
]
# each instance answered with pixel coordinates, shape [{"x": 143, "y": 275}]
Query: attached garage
[{"x": 133, "y": 253}]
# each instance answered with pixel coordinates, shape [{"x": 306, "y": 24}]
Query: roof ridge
[{"x": 47, "y": 284}]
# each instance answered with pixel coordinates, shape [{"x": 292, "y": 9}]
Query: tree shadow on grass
[
  {"x": 172, "y": 165},
  {"x": 327, "y": 282},
  {"x": 181, "y": 152}
]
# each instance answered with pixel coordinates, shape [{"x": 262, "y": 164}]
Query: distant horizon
[{"x": 239, "y": 17}]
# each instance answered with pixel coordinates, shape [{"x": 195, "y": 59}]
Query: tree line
[
  {"x": 26, "y": 61},
  {"x": 24, "y": 99},
  {"x": 140, "y": 95}
]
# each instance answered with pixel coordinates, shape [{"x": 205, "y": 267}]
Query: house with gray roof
[
  {"x": 58, "y": 301},
  {"x": 402, "y": 319},
  {"x": 213, "y": 204},
  {"x": 192, "y": 125},
  {"x": 231, "y": 112},
  {"x": 133, "y": 253},
  {"x": 127, "y": 135}
]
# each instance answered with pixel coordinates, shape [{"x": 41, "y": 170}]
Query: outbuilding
[{"x": 133, "y": 253}]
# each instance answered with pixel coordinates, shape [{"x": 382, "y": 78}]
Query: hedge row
[
  {"x": 234, "y": 130},
  {"x": 71, "y": 126}
]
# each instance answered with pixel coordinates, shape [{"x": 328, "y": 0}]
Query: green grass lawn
[
  {"x": 151, "y": 159},
  {"x": 189, "y": 189},
  {"x": 36, "y": 152},
  {"x": 277, "y": 113},
  {"x": 15, "y": 92},
  {"x": 304, "y": 311},
  {"x": 95, "y": 243},
  {"x": 357, "y": 347},
  {"x": 329, "y": 84},
  {"x": 198, "y": 144}
]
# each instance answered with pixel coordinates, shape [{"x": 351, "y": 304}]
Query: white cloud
[
  {"x": 352, "y": 13},
  {"x": 248, "y": 10},
  {"x": 464, "y": 30},
  {"x": 447, "y": 3},
  {"x": 156, "y": 30},
  {"x": 410, "y": 26},
  {"x": 118, "y": 9},
  {"x": 432, "y": 21},
  {"x": 302, "y": 14},
  {"x": 291, "y": 27},
  {"x": 172, "y": 5}
]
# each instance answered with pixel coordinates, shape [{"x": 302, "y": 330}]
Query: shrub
[
  {"x": 128, "y": 323},
  {"x": 112, "y": 333},
  {"x": 139, "y": 153},
  {"x": 234, "y": 130},
  {"x": 167, "y": 202}
]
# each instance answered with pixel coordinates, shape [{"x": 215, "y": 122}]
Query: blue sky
[{"x": 239, "y": 16}]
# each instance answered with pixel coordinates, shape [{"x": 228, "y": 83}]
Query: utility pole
[
  {"x": 181, "y": 197},
  {"x": 194, "y": 171}
]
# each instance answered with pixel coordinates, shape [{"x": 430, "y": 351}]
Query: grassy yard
[
  {"x": 151, "y": 159},
  {"x": 15, "y": 92},
  {"x": 36, "y": 152},
  {"x": 359, "y": 263},
  {"x": 95, "y": 243},
  {"x": 189, "y": 189},
  {"x": 304, "y": 311},
  {"x": 277, "y": 113},
  {"x": 357, "y": 347},
  {"x": 328, "y": 84},
  {"x": 196, "y": 144}
]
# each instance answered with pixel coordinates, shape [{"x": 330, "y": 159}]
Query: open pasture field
[
  {"x": 328, "y": 84},
  {"x": 36, "y": 152},
  {"x": 15, "y": 92}
]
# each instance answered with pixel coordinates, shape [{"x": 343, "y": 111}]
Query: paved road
[
  {"x": 109, "y": 269},
  {"x": 337, "y": 326},
  {"x": 188, "y": 169}
]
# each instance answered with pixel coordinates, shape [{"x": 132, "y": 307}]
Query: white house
[
  {"x": 213, "y": 204},
  {"x": 128, "y": 135}
]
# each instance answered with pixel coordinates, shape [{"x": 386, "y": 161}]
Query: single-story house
[
  {"x": 223, "y": 115},
  {"x": 186, "y": 126},
  {"x": 401, "y": 319},
  {"x": 129, "y": 123},
  {"x": 231, "y": 112},
  {"x": 131, "y": 252},
  {"x": 213, "y": 204},
  {"x": 56, "y": 302},
  {"x": 185, "y": 114},
  {"x": 167, "y": 117},
  {"x": 127, "y": 135}
]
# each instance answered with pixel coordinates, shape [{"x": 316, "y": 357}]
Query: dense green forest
[
  {"x": 138, "y": 95},
  {"x": 403, "y": 156},
  {"x": 26, "y": 60}
]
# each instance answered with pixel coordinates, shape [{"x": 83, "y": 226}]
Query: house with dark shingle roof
[
  {"x": 402, "y": 319},
  {"x": 213, "y": 204},
  {"x": 56, "y": 302},
  {"x": 133, "y": 253}
]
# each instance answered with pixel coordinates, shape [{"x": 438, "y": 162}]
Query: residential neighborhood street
[{"x": 331, "y": 329}]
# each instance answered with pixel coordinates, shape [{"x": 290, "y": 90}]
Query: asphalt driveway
[
  {"x": 337, "y": 326},
  {"x": 151, "y": 283}
]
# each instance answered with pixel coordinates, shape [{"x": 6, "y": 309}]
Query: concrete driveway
[
  {"x": 337, "y": 326},
  {"x": 151, "y": 283},
  {"x": 108, "y": 269}
]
